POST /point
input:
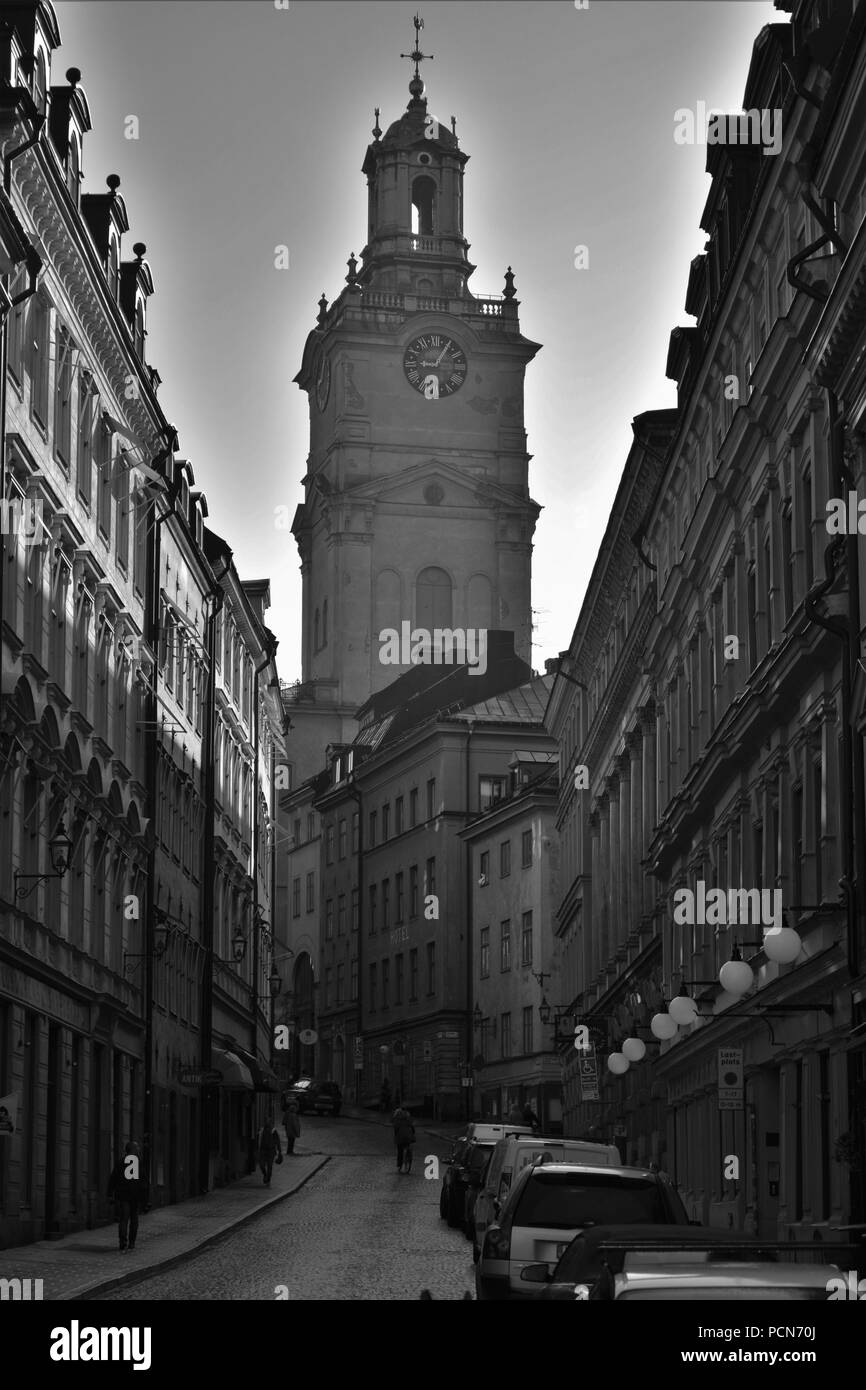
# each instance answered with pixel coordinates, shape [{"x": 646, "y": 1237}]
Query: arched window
[
  {"x": 423, "y": 195},
  {"x": 432, "y": 599},
  {"x": 40, "y": 82}
]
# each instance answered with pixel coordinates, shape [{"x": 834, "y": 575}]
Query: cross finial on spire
[{"x": 417, "y": 57}]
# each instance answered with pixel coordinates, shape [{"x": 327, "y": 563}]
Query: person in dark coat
[
  {"x": 292, "y": 1122},
  {"x": 127, "y": 1186},
  {"x": 404, "y": 1138},
  {"x": 530, "y": 1117},
  {"x": 268, "y": 1147}
]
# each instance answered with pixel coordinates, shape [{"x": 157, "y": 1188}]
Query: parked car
[
  {"x": 479, "y": 1141},
  {"x": 550, "y": 1203},
  {"x": 477, "y": 1164},
  {"x": 318, "y": 1097},
  {"x": 605, "y": 1247},
  {"x": 514, "y": 1153},
  {"x": 716, "y": 1279}
]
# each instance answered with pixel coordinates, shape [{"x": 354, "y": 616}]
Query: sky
[{"x": 252, "y": 126}]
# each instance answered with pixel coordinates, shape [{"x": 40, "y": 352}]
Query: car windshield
[{"x": 567, "y": 1200}]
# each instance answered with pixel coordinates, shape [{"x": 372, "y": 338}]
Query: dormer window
[
  {"x": 139, "y": 328},
  {"x": 73, "y": 170},
  {"x": 40, "y": 83},
  {"x": 113, "y": 266}
]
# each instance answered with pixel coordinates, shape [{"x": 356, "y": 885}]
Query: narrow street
[{"x": 357, "y": 1230}]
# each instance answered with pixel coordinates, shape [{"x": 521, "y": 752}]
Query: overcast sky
[{"x": 253, "y": 126}]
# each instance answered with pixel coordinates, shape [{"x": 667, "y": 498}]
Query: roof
[{"x": 525, "y": 705}]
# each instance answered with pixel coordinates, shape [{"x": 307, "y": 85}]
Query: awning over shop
[
  {"x": 264, "y": 1079},
  {"x": 236, "y": 1076}
]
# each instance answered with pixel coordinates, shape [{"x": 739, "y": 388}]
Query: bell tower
[{"x": 416, "y": 495}]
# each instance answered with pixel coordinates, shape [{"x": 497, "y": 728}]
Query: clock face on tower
[{"x": 435, "y": 365}]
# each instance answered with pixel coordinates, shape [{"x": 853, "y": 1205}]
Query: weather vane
[{"x": 417, "y": 57}]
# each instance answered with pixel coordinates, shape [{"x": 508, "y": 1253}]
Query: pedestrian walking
[
  {"x": 292, "y": 1123},
  {"x": 530, "y": 1117},
  {"x": 127, "y": 1187},
  {"x": 404, "y": 1138},
  {"x": 269, "y": 1149}
]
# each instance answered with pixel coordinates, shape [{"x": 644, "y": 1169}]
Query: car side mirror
[{"x": 535, "y": 1274}]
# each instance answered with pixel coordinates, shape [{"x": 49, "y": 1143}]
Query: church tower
[{"x": 417, "y": 505}]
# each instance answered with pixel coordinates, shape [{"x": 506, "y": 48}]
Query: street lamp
[
  {"x": 59, "y": 849},
  {"x": 239, "y": 945}
]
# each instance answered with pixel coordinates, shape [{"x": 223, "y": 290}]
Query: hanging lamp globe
[
  {"x": 682, "y": 1009},
  {"x": 617, "y": 1063},
  {"x": 736, "y": 977},
  {"x": 663, "y": 1026},
  {"x": 782, "y": 945},
  {"x": 634, "y": 1049}
]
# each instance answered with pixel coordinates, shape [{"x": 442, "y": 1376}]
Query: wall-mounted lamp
[
  {"x": 59, "y": 849},
  {"x": 239, "y": 945},
  {"x": 161, "y": 930}
]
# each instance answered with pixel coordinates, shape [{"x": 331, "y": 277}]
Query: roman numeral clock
[{"x": 435, "y": 365}]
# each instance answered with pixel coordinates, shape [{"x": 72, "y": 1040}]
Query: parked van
[
  {"x": 484, "y": 1133},
  {"x": 512, "y": 1154}
]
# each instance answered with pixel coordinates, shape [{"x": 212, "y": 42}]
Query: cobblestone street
[{"x": 357, "y": 1230}]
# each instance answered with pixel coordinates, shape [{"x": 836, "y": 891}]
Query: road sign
[
  {"x": 588, "y": 1077},
  {"x": 730, "y": 1078},
  {"x": 192, "y": 1076},
  {"x": 308, "y": 1036}
]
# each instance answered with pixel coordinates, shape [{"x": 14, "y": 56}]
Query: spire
[{"x": 416, "y": 86}]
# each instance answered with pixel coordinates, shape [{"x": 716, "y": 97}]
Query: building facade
[
  {"x": 729, "y": 676},
  {"x": 514, "y": 875}
]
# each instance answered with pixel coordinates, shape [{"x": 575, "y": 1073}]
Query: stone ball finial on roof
[
  {"x": 73, "y": 76},
  {"x": 140, "y": 250},
  {"x": 113, "y": 182}
]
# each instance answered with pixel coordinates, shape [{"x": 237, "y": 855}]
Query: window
[
  {"x": 356, "y": 909},
  {"x": 505, "y": 1035},
  {"x": 386, "y": 984},
  {"x": 63, "y": 396},
  {"x": 104, "y": 467},
  {"x": 505, "y": 944},
  {"x": 398, "y": 816},
  {"x": 526, "y": 940},
  {"x": 413, "y": 974},
  {"x": 373, "y": 899},
  {"x": 329, "y": 844},
  {"x": 484, "y": 868},
  {"x": 386, "y": 822},
  {"x": 398, "y": 979},
  {"x": 413, "y": 806},
  {"x": 121, "y": 539},
  {"x": 296, "y": 897},
  {"x": 311, "y": 825},
  {"x": 113, "y": 265},
  {"x": 341, "y": 914},
  {"x": 400, "y": 897},
  {"x": 413, "y": 890},
  {"x": 329, "y": 977},
  {"x": 372, "y": 835},
  {"x": 527, "y": 1029},
  {"x": 311, "y": 892},
  {"x": 353, "y": 979},
  {"x": 39, "y": 319},
  {"x": 341, "y": 982},
  {"x": 430, "y": 877},
  {"x": 505, "y": 859},
  {"x": 490, "y": 790},
  {"x": 431, "y": 798},
  {"x": 372, "y": 991},
  {"x": 386, "y": 904},
  {"x": 296, "y": 833},
  {"x": 433, "y": 599},
  {"x": 484, "y": 957},
  {"x": 329, "y": 919},
  {"x": 341, "y": 851},
  {"x": 431, "y": 967},
  {"x": 356, "y": 831},
  {"x": 526, "y": 848},
  {"x": 17, "y": 320},
  {"x": 806, "y": 515}
]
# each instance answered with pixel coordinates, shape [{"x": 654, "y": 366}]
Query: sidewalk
[{"x": 89, "y": 1262}]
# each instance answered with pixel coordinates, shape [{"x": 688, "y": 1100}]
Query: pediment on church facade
[{"x": 435, "y": 483}]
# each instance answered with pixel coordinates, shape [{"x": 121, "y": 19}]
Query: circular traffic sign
[{"x": 308, "y": 1036}]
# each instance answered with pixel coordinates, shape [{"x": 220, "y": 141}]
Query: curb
[{"x": 85, "y": 1291}]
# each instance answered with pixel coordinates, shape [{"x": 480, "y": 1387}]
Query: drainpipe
[{"x": 270, "y": 647}]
